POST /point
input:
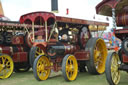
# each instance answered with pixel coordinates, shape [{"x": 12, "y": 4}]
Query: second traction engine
[{"x": 15, "y": 46}]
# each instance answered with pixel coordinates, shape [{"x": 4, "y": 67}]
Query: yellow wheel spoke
[
  {"x": 38, "y": 52},
  {"x": 112, "y": 70},
  {"x": 8, "y": 69},
  {"x": 38, "y": 49},
  {"x": 115, "y": 77},
  {"x": 45, "y": 72},
  {"x": 7, "y": 63},
  {"x": 4, "y": 72},
  {"x": 1, "y": 66},
  {"x": 3, "y": 60},
  {"x": 67, "y": 71},
  {"x": 71, "y": 73},
  {"x": 70, "y": 61}
]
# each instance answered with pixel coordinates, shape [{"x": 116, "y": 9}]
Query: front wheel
[
  {"x": 41, "y": 68},
  {"x": 112, "y": 65},
  {"x": 6, "y": 66},
  {"x": 69, "y": 67}
]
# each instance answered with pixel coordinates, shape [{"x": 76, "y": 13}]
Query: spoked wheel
[
  {"x": 112, "y": 72},
  {"x": 34, "y": 52},
  {"x": 98, "y": 54},
  {"x": 41, "y": 68},
  {"x": 69, "y": 68},
  {"x": 6, "y": 66}
]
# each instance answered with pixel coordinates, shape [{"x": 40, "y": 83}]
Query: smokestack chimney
[{"x": 54, "y": 5}]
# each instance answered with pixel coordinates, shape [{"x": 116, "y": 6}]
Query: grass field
[{"x": 85, "y": 78}]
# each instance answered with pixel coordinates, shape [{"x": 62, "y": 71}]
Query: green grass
[{"x": 27, "y": 78}]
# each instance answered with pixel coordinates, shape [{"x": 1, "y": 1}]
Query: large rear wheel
[
  {"x": 69, "y": 67},
  {"x": 98, "y": 54},
  {"x": 112, "y": 65},
  {"x": 41, "y": 68},
  {"x": 6, "y": 66}
]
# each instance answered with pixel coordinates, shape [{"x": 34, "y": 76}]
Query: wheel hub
[
  {"x": 98, "y": 58},
  {"x": 41, "y": 67},
  {"x": 70, "y": 68},
  {"x": 2, "y": 66},
  {"x": 97, "y": 53}
]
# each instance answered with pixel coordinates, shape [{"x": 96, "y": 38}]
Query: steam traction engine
[
  {"x": 116, "y": 62},
  {"x": 64, "y": 44},
  {"x": 15, "y": 45}
]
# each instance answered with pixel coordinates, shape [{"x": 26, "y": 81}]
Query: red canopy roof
[
  {"x": 32, "y": 16},
  {"x": 46, "y": 15}
]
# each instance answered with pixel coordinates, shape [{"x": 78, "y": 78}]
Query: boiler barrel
[
  {"x": 60, "y": 49},
  {"x": 122, "y": 19},
  {"x": 11, "y": 49}
]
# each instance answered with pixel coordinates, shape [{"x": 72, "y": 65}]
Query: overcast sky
[{"x": 83, "y": 9}]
